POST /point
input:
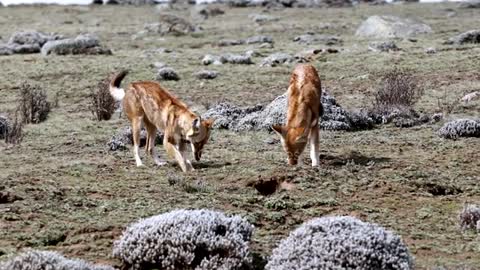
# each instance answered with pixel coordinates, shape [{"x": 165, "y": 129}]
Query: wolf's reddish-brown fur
[
  {"x": 304, "y": 111},
  {"x": 148, "y": 103}
]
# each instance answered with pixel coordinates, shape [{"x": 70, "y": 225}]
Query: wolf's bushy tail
[{"x": 115, "y": 90}]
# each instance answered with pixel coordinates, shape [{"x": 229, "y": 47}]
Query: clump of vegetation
[
  {"x": 40, "y": 260},
  {"x": 398, "y": 87},
  {"x": 460, "y": 128},
  {"x": 33, "y": 105},
  {"x": 102, "y": 104},
  {"x": 470, "y": 217},
  {"x": 14, "y": 131},
  {"x": 340, "y": 243},
  {"x": 186, "y": 239}
]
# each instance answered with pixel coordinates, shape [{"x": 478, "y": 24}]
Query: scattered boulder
[
  {"x": 167, "y": 74},
  {"x": 125, "y": 137},
  {"x": 133, "y": 2},
  {"x": 206, "y": 12},
  {"x": 32, "y": 37},
  {"x": 386, "y": 26},
  {"x": 5, "y": 49},
  {"x": 241, "y": 59},
  {"x": 40, "y": 260},
  {"x": 170, "y": 24},
  {"x": 82, "y": 44},
  {"x": 340, "y": 242},
  {"x": 227, "y": 58},
  {"x": 212, "y": 59},
  {"x": 280, "y": 58},
  {"x": 431, "y": 50},
  {"x": 26, "y": 42},
  {"x": 250, "y": 40},
  {"x": 316, "y": 39},
  {"x": 470, "y": 4},
  {"x": 319, "y": 3},
  {"x": 206, "y": 75},
  {"x": 262, "y": 18},
  {"x": 230, "y": 42},
  {"x": 259, "y": 39},
  {"x": 383, "y": 46},
  {"x": 470, "y": 97},
  {"x": 259, "y": 117},
  {"x": 472, "y": 36},
  {"x": 460, "y": 128}
]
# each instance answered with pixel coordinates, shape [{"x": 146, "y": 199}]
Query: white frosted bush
[
  {"x": 340, "y": 243},
  {"x": 470, "y": 217},
  {"x": 48, "y": 260},
  {"x": 186, "y": 239},
  {"x": 460, "y": 128}
]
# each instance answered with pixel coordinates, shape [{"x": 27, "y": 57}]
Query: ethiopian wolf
[
  {"x": 148, "y": 103},
  {"x": 303, "y": 113}
]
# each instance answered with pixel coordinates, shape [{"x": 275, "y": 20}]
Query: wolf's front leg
[{"x": 314, "y": 146}]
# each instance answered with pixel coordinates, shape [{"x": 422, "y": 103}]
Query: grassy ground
[{"x": 78, "y": 197}]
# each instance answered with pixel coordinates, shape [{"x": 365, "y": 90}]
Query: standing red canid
[
  {"x": 148, "y": 103},
  {"x": 304, "y": 111}
]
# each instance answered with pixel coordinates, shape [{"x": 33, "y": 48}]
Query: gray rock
[
  {"x": 262, "y": 18},
  {"x": 206, "y": 74},
  {"x": 170, "y": 25},
  {"x": 206, "y": 11},
  {"x": 460, "y": 128},
  {"x": 383, "y": 46},
  {"x": 318, "y": 39},
  {"x": 212, "y": 59},
  {"x": 276, "y": 59},
  {"x": 237, "y": 59},
  {"x": 5, "y": 49},
  {"x": 82, "y": 44},
  {"x": 32, "y": 37},
  {"x": 25, "y": 48},
  {"x": 259, "y": 39},
  {"x": 167, "y": 74},
  {"x": 470, "y": 4},
  {"x": 472, "y": 36},
  {"x": 132, "y": 2},
  {"x": 124, "y": 138},
  {"x": 230, "y": 42},
  {"x": 229, "y": 116},
  {"x": 385, "y": 27},
  {"x": 431, "y": 50},
  {"x": 321, "y": 3}
]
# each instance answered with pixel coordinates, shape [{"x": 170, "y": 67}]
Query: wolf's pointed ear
[
  {"x": 196, "y": 123},
  {"x": 301, "y": 134},
  {"x": 281, "y": 130},
  {"x": 208, "y": 123}
]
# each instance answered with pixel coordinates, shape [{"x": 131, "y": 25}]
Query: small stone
[
  {"x": 206, "y": 74},
  {"x": 167, "y": 74}
]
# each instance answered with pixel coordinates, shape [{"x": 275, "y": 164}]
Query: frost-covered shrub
[
  {"x": 186, "y": 239},
  {"x": 340, "y": 243},
  {"x": 470, "y": 217},
  {"x": 48, "y": 260},
  {"x": 460, "y": 128}
]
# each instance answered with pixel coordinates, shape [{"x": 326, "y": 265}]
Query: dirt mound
[{"x": 229, "y": 116}]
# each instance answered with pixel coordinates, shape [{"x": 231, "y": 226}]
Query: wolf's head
[
  {"x": 198, "y": 135},
  {"x": 293, "y": 141}
]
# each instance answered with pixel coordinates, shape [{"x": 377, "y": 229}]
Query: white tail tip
[{"x": 117, "y": 93}]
